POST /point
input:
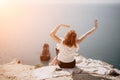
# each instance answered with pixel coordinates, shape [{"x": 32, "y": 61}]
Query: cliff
[{"x": 86, "y": 69}]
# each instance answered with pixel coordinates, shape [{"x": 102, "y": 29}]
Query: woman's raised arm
[
  {"x": 53, "y": 33},
  {"x": 88, "y": 33}
]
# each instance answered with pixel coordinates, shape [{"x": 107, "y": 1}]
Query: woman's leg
[{"x": 54, "y": 61}]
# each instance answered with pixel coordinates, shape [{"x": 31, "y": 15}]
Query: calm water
[{"x": 25, "y": 29}]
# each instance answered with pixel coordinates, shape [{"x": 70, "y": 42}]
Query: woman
[{"x": 68, "y": 46}]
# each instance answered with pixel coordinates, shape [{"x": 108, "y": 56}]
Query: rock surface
[{"x": 86, "y": 69}]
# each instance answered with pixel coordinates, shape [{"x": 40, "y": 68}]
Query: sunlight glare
[{"x": 3, "y": 3}]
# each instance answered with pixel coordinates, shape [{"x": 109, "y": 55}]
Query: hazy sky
[
  {"x": 78, "y": 1},
  {"x": 57, "y": 1}
]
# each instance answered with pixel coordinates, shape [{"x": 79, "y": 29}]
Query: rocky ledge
[{"x": 86, "y": 69}]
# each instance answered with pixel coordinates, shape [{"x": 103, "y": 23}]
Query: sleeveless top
[{"x": 66, "y": 53}]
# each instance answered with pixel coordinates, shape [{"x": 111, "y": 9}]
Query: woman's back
[{"x": 66, "y": 53}]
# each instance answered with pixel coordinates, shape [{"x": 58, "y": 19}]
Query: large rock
[
  {"x": 95, "y": 66},
  {"x": 86, "y": 69}
]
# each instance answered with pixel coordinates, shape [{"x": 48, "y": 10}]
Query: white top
[{"x": 66, "y": 53}]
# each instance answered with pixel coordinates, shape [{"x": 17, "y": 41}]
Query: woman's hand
[
  {"x": 53, "y": 32},
  {"x": 95, "y": 23},
  {"x": 64, "y": 25},
  {"x": 89, "y": 32}
]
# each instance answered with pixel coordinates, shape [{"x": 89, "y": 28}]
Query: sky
[
  {"x": 2, "y": 2},
  {"x": 78, "y": 1}
]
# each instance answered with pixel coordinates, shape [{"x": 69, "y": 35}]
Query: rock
[
  {"x": 15, "y": 61},
  {"x": 38, "y": 66},
  {"x": 114, "y": 73},
  {"x": 45, "y": 55},
  {"x": 94, "y": 66},
  {"x": 88, "y": 77},
  {"x": 49, "y": 72},
  {"x": 86, "y": 69}
]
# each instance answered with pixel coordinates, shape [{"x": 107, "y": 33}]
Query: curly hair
[{"x": 70, "y": 39}]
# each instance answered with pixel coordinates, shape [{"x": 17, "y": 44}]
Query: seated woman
[
  {"x": 68, "y": 46},
  {"x": 45, "y": 55}
]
